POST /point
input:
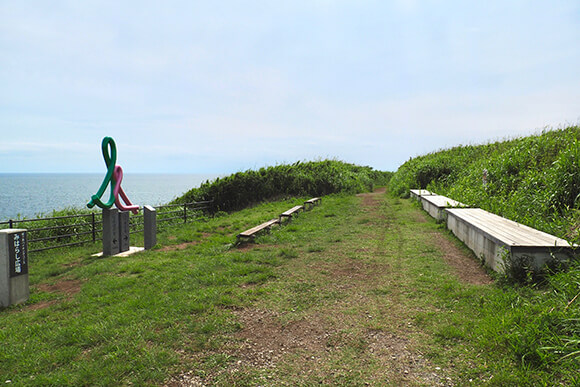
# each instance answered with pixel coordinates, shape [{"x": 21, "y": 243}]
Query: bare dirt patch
[
  {"x": 370, "y": 200},
  {"x": 68, "y": 288},
  {"x": 465, "y": 267},
  {"x": 42, "y": 305},
  {"x": 181, "y": 246},
  {"x": 184, "y": 245},
  {"x": 267, "y": 340},
  {"x": 349, "y": 273},
  {"x": 402, "y": 364}
]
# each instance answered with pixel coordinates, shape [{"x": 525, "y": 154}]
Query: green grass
[
  {"x": 345, "y": 287},
  {"x": 533, "y": 180}
]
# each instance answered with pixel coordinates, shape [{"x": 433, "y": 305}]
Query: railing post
[
  {"x": 184, "y": 212},
  {"x": 10, "y": 223},
  {"x": 94, "y": 229}
]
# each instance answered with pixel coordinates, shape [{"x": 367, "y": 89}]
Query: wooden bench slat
[
  {"x": 250, "y": 232},
  {"x": 292, "y": 211},
  {"x": 510, "y": 232},
  {"x": 490, "y": 236},
  {"x": 442, "y": 201},
  {"x": 418, "y": 193}
]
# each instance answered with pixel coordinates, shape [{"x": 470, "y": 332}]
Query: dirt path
[{"x": 356, "y": 325}]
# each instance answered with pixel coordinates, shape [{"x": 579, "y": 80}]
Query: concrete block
[
  {"x": 150, "y": 226},
  {"x": 111, "y": 243},
  {"x": 124, "y": 231},
  {"x": 14, "y": 286}
]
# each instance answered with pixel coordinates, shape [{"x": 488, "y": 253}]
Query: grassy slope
[
  {"x": 533, "y": 180},
  {"x": 357, "y": 289}
]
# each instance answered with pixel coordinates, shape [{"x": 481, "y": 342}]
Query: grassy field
[{"x": 362, "y": 290}]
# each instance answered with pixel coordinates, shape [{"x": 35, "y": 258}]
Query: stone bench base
[{"x": 494, "y": 239}]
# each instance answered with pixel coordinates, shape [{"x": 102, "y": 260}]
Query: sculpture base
[{"x": 132, "y": 250}]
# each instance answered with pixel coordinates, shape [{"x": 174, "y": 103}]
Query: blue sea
[{"x": 31, "y": 195}]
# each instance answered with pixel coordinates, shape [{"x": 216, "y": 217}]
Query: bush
[{"x": 315, "y": 178}]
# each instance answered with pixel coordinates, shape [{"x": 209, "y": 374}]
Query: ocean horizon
[{"x": 29, "y": 195}]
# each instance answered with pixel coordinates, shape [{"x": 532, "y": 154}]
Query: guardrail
[{"x": 74, "y": 230}]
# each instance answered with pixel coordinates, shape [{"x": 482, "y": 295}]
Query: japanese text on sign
[{"x": 18, "y": 254}]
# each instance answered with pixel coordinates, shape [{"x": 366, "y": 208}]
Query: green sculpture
[{"x": 114, "y": 176}]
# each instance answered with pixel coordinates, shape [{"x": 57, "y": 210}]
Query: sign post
[{"x": 14, "y": 288}]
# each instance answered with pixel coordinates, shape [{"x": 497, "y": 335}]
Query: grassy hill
[
  {"x": 533, "y": 180},
  {"x": 312, "y": 178}
]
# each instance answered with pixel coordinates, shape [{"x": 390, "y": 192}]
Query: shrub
[{"x": 314, "y": 178}]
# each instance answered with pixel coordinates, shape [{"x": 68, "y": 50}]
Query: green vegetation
[
  {"x": 357, "y": 291},
  {"x": 314, "y": 178},
  {"x": 360, "y": 290},
  {"x": 533, "y": 180}
]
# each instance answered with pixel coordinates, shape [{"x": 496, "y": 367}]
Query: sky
[{"x": 187, "y": 86}]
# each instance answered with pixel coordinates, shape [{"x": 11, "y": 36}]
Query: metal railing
[{"x": 74, "y": 230}]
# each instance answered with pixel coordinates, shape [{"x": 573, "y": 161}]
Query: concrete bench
[
  {"x": 288, "y": 214},
  {"x": 435, "y": 205},
  {"x": 491, "y": 236},
  {"x": 251, "y": 233},
  {"x": 418, "y": 193},
  {"x": 311, "y": 202}
]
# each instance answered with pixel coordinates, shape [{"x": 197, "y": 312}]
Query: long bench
[
  {"x": 494, "y": 238},
  {"x": 435, "y": 205},
  {"x": 418, "y": 193},
  {"x": 251, "y": 233},
  {"x": 311, "y": 202},
  {"x": 288, "y": 214}
]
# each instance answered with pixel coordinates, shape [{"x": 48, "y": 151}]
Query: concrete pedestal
[
  {"x": 124, "y": 236},
  {"x": 14, "y": 287},
  {"x": 111, "y": 243}
]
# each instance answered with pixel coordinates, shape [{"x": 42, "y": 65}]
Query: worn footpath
[{"x": 343, "y": 311}]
